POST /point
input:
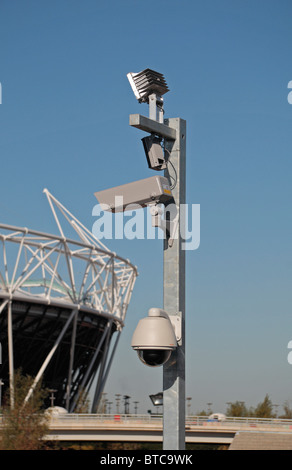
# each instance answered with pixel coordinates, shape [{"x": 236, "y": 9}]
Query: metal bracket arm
[{"x": 154, "y": 127}]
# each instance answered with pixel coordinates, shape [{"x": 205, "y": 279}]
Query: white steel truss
[{"x": 80, "y": 275}]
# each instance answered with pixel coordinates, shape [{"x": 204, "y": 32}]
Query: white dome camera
[{"x": 156, "y": 336}]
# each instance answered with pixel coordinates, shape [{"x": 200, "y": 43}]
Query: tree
[
  {"x": 24, "y": 425},
  {"x": 237, "y": 409},
  {"x": 202, "y": 413},
  {"x": 264, "y": 409},
  {"x": 287, "y": 411},
  {"x": 82, "y": 405}
]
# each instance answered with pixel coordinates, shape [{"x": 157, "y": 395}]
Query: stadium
[{"x": 63, "y": 303}]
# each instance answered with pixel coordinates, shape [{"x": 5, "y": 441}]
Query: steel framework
[{"x": 61, "y": 302}]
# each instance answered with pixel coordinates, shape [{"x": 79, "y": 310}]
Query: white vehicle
[{"x": 217, "y": 417}]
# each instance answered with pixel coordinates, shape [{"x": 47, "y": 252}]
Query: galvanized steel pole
[
  {"x": 174, "y": 296},
  {"x": 174, "y": 132}
]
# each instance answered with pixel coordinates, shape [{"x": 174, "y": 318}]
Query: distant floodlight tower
[{"x": 148, "y": 87}]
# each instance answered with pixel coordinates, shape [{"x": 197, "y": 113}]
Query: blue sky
[{"x": 64, "y": 125}]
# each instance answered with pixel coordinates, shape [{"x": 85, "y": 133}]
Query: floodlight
[
  {"x": 157, "y": 399},
  {"x": 147, "y": 82},
  {"x": 154, "y": 152}
]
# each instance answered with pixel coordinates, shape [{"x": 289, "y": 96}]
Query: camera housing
[
  {"x": 153, "y": 190},
  {"x": 156, "y": 337},
  {"x": 154, "y": 152}
]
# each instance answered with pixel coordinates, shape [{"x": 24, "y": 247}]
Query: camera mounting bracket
[
  {"x": 176, "y": 323},
  {"x": 169, "y": 227}
]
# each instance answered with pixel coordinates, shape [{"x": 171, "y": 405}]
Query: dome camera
[{"x": 156, "y": 337}]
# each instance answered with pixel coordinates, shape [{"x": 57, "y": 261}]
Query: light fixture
[
  {"x": 147, "y": 82},
  {"x": 157, "y": 399},
  {"x": 148, "y": 87}
]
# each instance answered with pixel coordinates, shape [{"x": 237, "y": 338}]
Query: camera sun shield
[{"x": 137, "y": 194}]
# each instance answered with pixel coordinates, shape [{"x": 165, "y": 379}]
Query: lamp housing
[{"x": 146, "y": 83}]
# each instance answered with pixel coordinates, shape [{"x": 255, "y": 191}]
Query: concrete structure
[
  {"x": 261, "y": 441},
  {"x": 236, "y": 433}
]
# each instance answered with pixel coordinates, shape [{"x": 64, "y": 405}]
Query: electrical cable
[{"x": 173, "y": 178}]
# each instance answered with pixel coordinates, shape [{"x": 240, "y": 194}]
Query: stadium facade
[{"x": 63, "y": 303}]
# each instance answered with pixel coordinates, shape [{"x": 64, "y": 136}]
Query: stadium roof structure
[{"x": 61, "y": 301}]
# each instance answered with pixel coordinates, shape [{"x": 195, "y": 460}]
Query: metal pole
[
  {"x": 10, "y": 353},
  {"x": 1, "y": 383},
  {"x": 71, "y": 361},
  {"x": 174, "y": 132},
  {"x": 174, "y": 297}
]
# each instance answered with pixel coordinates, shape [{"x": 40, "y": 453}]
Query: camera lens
[{"x": 154, "y": 357}]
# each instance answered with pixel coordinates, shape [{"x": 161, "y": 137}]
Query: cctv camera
[
  {"x": 154, "y": 357},
  {"x": 155, "y": 338},
  {"x": 154, "y": 152},
  {"x": 153, "y": 190}
]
